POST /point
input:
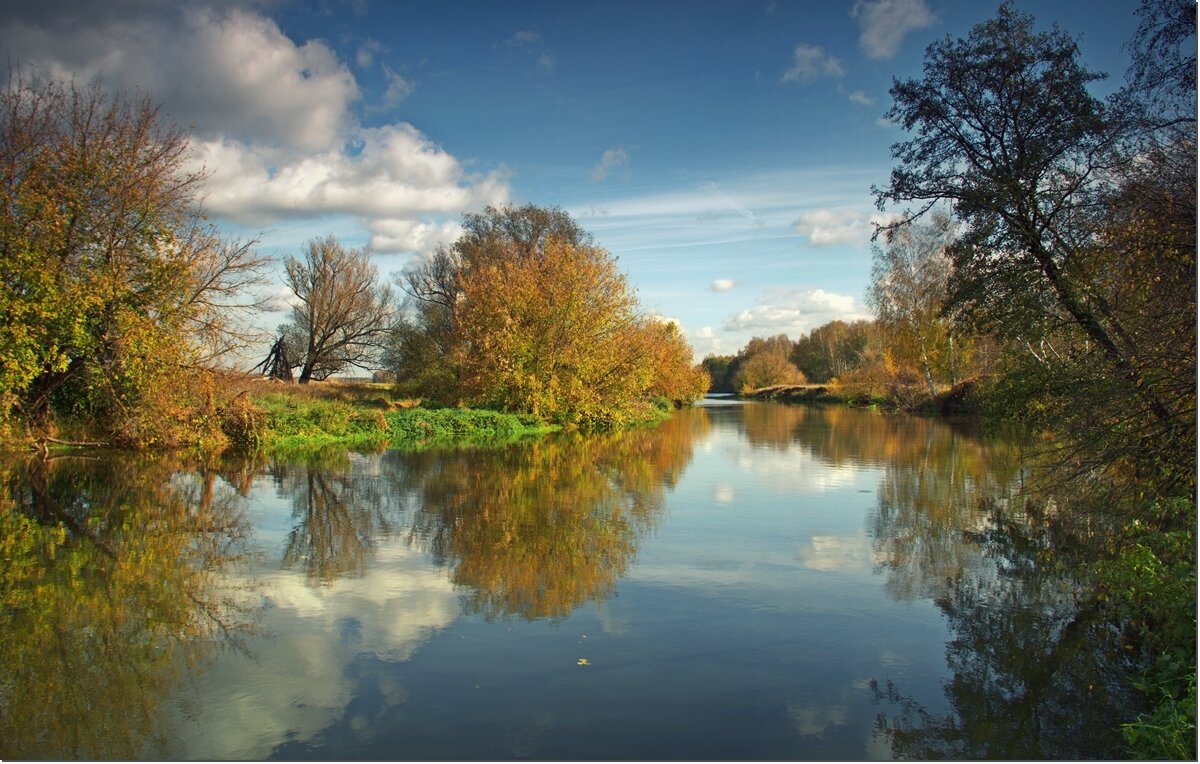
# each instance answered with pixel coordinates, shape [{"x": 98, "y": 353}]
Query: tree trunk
[
  {"x": 1095, "y": 331},
  {"x": 927, "y": 372}
]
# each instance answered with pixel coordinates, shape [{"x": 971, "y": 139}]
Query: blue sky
[{"x": 722, "y": 151}]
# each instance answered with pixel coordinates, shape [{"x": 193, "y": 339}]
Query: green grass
[{"x": 294, "y": 423}]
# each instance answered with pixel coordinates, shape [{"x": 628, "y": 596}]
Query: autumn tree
[
  {"x": 764, "y": 368},
  {"x": 675, "y": 378},
  {"x": 553, "y": 333},
  {"x": 341, "y": 311},
  {"x": 116, "y": 294},
  {"x": 833, "y": 349},
  {"x": 420, "y": 347},
  {"x": 523, "y": 312},
  {"x": 908, "y": 292}
]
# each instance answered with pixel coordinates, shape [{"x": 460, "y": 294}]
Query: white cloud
[
  {"x": 272, "y": 119},
  {"x": 841, "y": 225},
  {"x": 722, "y": 285},
  {"x": 400, "y": 235},
  {"x": 810, "y": 62},
  {"x": 860, "y": 97},
  {"x": 794, "y": 311},
  {"x": 704, "y": 341},
  {"x": 232, "y": 73},
  {"x": 610, "y": 160},
  {"x": 884, "y": 23},
  {"x": 396, "y": 178}
]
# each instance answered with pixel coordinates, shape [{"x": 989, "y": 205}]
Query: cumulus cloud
[
  {"x": 722, "y": 285},
  {"x": 842, "y": 225},
  {"x": 612, "y": 159},
  {"x": 794, "y": 311},
  {"x": 272, "y": 119},
  {"x": 811, "y": 62},
  {"x": 884, "y": 24},
  {"x": 394, "y": 180},
  {"x": 860, "y": 97},
  {"x": 232, "y": 73}
]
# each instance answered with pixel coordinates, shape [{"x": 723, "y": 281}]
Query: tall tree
[
  {"x": 525, "y": 313},
  {"x": 113, "y": 288},
  {"x": 833, "y": 349},
  {"x": 341, "y": 311},
  {"x": 1007, "y": 131}
]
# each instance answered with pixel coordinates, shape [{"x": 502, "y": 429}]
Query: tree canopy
[
  {"x": 523, "y": 312},
  {"x": 1047, "y": 181}
]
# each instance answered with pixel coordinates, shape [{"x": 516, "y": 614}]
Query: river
[{"x": 745, "y": 581}]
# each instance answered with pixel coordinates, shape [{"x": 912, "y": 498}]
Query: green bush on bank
[{"x": 1148, "y": 585}]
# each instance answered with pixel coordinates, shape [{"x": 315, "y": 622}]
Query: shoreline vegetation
[
  {"x": 287, "y": 419},
  {"x": 957, "y": 400}
]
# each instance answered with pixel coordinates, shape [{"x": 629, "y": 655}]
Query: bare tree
[{"x": 342, "y": 310}]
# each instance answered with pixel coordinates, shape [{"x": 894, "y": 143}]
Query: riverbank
[
  {"x": 277, "y": 417},
  {"x": 251, "y": 413},
  {"x": 963, "y": 398}
]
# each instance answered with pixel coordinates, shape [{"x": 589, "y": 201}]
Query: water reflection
[
  {"x": 800, "y": 570},
  {"x": 107, "y": 577},
  {"x": 338, "y": 515},
  {"x": 532, "y": 530},
  {"x": 537, "y": 530},
  {"x": 1032, "y": 673}
]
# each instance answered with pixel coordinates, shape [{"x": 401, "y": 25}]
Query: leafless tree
[{"x": 342, "y": 311}]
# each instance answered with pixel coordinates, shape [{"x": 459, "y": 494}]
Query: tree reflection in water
[
  {"x": 1032, "y": 664},
  {"x": 107, "y": 590},
  {"x": 1032, "y": 670},
  {"x": 538, "y": 529},
  {"x": 532, "y": 529},
  {"x": 339, "y": 514}
]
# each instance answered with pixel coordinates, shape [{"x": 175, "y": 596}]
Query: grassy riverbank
[
  {"x": 279, "y": 417},
  {"x": 359, "y": 415}
]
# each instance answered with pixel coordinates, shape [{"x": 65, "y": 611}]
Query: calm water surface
[{"x": 744, "y": 582}]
